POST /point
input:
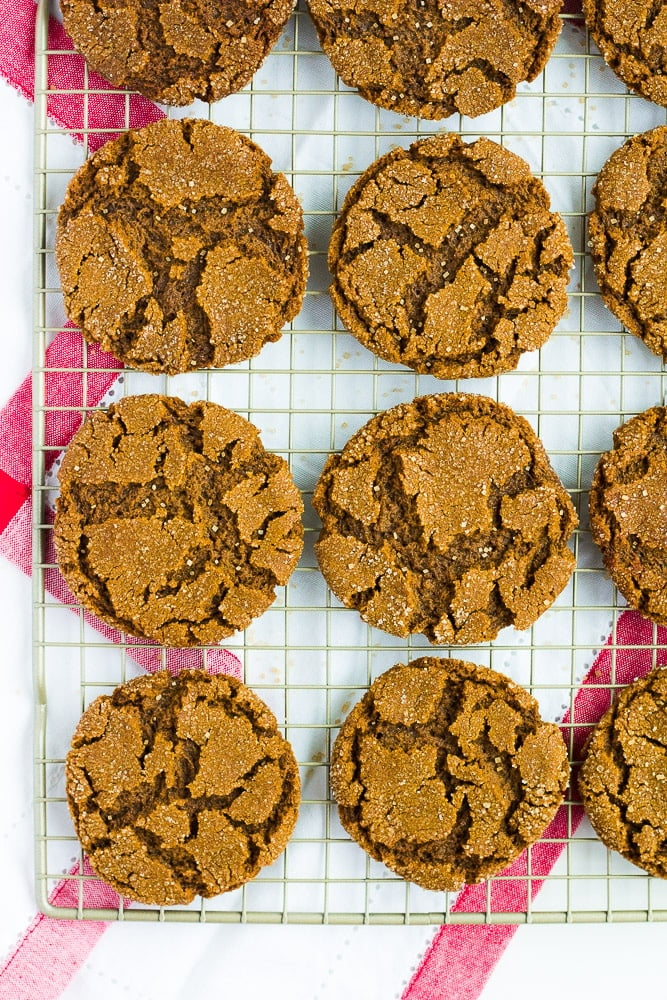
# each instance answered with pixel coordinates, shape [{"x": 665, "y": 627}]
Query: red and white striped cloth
[{"x": 49, "y": 954}]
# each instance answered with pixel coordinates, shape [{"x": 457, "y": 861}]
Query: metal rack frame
[{"x": 309, "y": 657}]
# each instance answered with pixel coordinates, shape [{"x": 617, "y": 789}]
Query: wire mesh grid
[{"x": 308, "y": 657}]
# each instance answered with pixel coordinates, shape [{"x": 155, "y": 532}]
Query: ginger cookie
[
  {"x": 180, "y": 786},
  {"x": 179, "y": 248},
  {"x": 628, "y": 509},
  {"x": 176, "y": 51},
  {"x": 444, "y": 516},
  {"x": 632, "y": 37},
  {"x": 628, "y": 236},
  {"x": 432, "y": 59},
  {"x": 445, "y": 772},
  {"x": 623, "y": 779},
  {"x": 446, "y": 258},
  {"x": 173, "y": 523}
]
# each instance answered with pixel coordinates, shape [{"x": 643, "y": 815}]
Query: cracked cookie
[
  {"x": 628, "y": 510},
  {"x": 176, "y": 51},
  {"x": 623, "y": 778},
  {"x": 628, "y": 236},
  {"x": 444, "y": 516},
  {"x": 446, "y": 258},
  {"x": 173, "y": 522},
  {"x": 180, "y": 786},
  {"x": 632, "y": 37},
  {"x": 432, "y": 59},
  {"x": 445, "y": 772},
  {"x": 179, "y": 248}
]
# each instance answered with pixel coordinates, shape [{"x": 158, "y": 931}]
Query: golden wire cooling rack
[{"x": 309, "y": 657}]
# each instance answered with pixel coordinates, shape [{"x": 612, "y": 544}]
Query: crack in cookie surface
[
  {"x": 444, "y": 516},
  {"x": 179, "y": 248},
  {"x": 628, "y": 236},
  {"x": 181, "y": 786},
  {"x": 623, "y": 778},
  {"x": 426, "y": 58},
  {"x": 445, "y": 772},
  {"x": 173, "y": 522},
  {"x": 446, "y": 258},
  {"x": 176, "y": 51},
  {"x": 633, "y": 40}
]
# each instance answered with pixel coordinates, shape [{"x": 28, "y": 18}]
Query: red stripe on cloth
[
  {"x": 50, "y": 952},
  {"x": 461, "y": 958},
  {"x": 459, "y": 962},
  {"x": 17, "y": 44},
  {"x": 66, "y": 394},
  {"x": 12, "y": 496},
  {"x": 102, "y": 111}
]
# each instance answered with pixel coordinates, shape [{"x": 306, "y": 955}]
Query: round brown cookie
[
  {"x": 178, "y": 248},
  {"x": 445, "y": 772},
  {"x": 628, "y": 509},
  {"x": 628, "y": 236},
  {"x": 180, "y": 786},
  {"x": 178, "y": 50},
  {"x": 623, "y": 779},
  {"x": 632, "y": 37},
  {"x": 173, "y": 523},
  {"x": 446, "y": 258},
  {"x": 432, "y": 59},
  {"x": 444, "y": 516}
]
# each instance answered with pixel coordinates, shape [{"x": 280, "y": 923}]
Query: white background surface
[{"x": 148, "y": 962}]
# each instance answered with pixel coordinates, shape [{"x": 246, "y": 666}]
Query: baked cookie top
[
  {"x": 628, "y": 510},
  {"x": 446, "y": 258},
  {"x": 446, "y": 772},
  {"x": 432, "y": 59},
  {"x": 623, "y": 778},
  {"x": 632, "y": 37},
  {"x": 180, "y": 786},
  {"x": 444, "y": 516},
  {"x": 176, "y": 51},
  {"x": 628, "y": 236},
  {"x": 179, "y": 248},
  {"x": 173, "y": 522}
]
